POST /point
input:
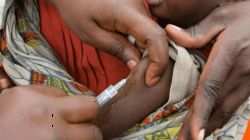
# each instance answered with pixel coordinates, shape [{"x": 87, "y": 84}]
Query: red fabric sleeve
[{"x": 89, "y": 66}]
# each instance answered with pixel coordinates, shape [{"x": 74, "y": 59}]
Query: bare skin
[
  {"x": 27, "y": 115},
  {"x": 21, "y": 100},
  {"x": 106, "y": 25},
  {"x": 182, "y": 12},
  {"x": 224, "y": 84},
  {"x": 134, "y": 102},
  {"x": 115, "y": 116},
  {"x": 120, "y": 104}
]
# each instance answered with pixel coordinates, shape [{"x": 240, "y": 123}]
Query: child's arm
[{"x": 134, "y": 102}]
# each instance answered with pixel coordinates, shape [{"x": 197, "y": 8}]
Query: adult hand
[
  {"x": 44, "y": 113},
  {"x": 224, "y": 83},
  {"x": 106, "y": 25}
]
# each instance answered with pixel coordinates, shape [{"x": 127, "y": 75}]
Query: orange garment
[
  {"x": 247, "y": 133},
  {"x": 91, "y": 67}
]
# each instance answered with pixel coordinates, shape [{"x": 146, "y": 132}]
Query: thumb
[{"x": 194, "y": 37}]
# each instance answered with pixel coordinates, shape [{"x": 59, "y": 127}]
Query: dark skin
[
  {"x": 182, "y": 12},
  {"x": 105, "y": 31},
  {"x": 134, "y": 102},
  {"x": 227, "y": 100},
  {"x": 136, "y": 89},
  {"x": 116, "y": 113},
  {"x": 106, "y": 25},
  {"x": 224, "y": 83},
  {"x": 74, "y": 115}
]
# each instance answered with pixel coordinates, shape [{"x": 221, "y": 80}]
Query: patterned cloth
[
  {"x": 26, "y": 56},
  {"x": 28, "y": 59}
]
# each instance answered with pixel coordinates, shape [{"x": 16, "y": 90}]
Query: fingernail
[
  {"x": 176, "y": 28},
  {"x": 201, "y": 134},
  {"x": 154, "y": 81},
  {"x": 131, "y": 64}
]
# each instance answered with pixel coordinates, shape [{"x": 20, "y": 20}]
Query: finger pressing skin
[
  {"x": 194, "y": 37},
  {"x": 76, "y": 109},
  {"x": 157, "y": 64},
  {"x": 113, "y": 43},
  {"x": 216, "y": 71},
  {"x": 151, "y": 36},
  {"x": 82, "y": 132}
]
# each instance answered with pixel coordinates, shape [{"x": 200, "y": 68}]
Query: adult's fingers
[
  {"x": 226, "y": 108},
  {"x": 133, "y": 19},
  {"x": 151, "y": 36},
  {"x": 48, "y": 91},
  {"x": 77, "y": 109},
  {"x": 216, "y": 71},
  {"x": 83, "y": 132},
  {"x": 196, "y": 36},
  {"x": 73, "y": 109},
  {"x": 40, "y": 89},
  {"x": 236, "y": 88},
  {"x": 113, "y": 43}
]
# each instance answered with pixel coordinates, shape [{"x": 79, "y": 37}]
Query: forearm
[{"x": 132, "y": 105}]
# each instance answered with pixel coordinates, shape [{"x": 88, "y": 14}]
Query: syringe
[{"x": 110, "y": 92}]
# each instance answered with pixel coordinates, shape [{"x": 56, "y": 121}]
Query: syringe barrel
[
  {"x": 105, "y": 96},
  {"x": 110, "y": 92}
]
